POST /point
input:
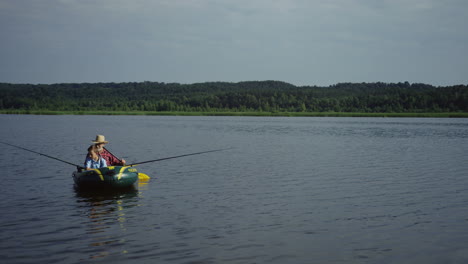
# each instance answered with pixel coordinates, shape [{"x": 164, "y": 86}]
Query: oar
[
  {"x": 45, "y": 155},
  {"x": 141, "y": 176},
  {"x": 191, "y": 154}
]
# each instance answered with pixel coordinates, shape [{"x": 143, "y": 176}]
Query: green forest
[{"x": 252, "y": 96}]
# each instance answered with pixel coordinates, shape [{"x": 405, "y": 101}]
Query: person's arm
[
  {"x": 113, "y": 160},
  {"x": 103, "y": 162},
  {"x": 88, "y": 163}
]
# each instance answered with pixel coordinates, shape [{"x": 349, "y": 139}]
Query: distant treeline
[{"x": 256, "y": 96}]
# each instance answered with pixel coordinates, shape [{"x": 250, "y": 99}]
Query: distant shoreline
[{"x": 266, "y": 114}]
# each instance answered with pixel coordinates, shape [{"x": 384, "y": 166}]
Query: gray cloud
[{"x": 317, "y": 42}]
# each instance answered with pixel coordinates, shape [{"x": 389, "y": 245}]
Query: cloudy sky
[{"x": 303, "y": 42}]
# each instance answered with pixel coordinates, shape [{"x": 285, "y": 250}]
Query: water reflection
[{"x": 107, "y": 219}]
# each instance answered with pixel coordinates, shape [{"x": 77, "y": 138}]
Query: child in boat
[{"x": 93, "y": 159}]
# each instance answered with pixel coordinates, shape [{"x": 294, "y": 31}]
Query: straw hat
[{"x": 100, "y": 139}]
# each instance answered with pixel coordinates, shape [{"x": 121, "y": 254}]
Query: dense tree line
[{"x": 270, "y": 96}]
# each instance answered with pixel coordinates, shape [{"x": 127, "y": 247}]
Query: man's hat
[{"x": 100, "y": 139}]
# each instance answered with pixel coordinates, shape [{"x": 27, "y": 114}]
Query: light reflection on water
[{"x": 106, "y": 211}]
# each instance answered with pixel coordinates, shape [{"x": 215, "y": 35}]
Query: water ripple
[{"x": 294, "y": 190}]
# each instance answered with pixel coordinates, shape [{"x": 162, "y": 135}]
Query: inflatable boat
[{"x": 113, "y": 177}]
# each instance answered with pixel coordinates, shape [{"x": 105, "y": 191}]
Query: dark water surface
[{"x": 293, "y": 190}]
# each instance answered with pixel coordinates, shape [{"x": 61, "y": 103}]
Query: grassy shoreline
[{"x": 288, "y": 114}]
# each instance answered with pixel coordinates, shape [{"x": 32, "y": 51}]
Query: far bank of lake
[{"x": 291, "y": 114}]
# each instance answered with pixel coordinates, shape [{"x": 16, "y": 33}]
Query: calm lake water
[{"x": 292, "y": 190}]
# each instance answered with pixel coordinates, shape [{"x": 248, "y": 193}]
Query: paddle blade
[{"x": 143, "y": 177}]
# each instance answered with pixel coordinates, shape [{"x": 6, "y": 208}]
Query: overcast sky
[{"x": 303, "y": 42}]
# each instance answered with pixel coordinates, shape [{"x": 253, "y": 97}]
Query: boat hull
[{"x": 113, "y": 177}]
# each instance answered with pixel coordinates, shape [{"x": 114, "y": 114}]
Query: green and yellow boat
[{"x": 113, "y": 177}]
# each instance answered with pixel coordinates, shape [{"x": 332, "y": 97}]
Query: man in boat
[{"x": 110, "y": 159}]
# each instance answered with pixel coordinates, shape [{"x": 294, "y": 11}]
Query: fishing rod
[
  {"x": 42, "y": 154},
  {"x": 133, "y": 164},
  {"x": 185, "y": 155}
]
